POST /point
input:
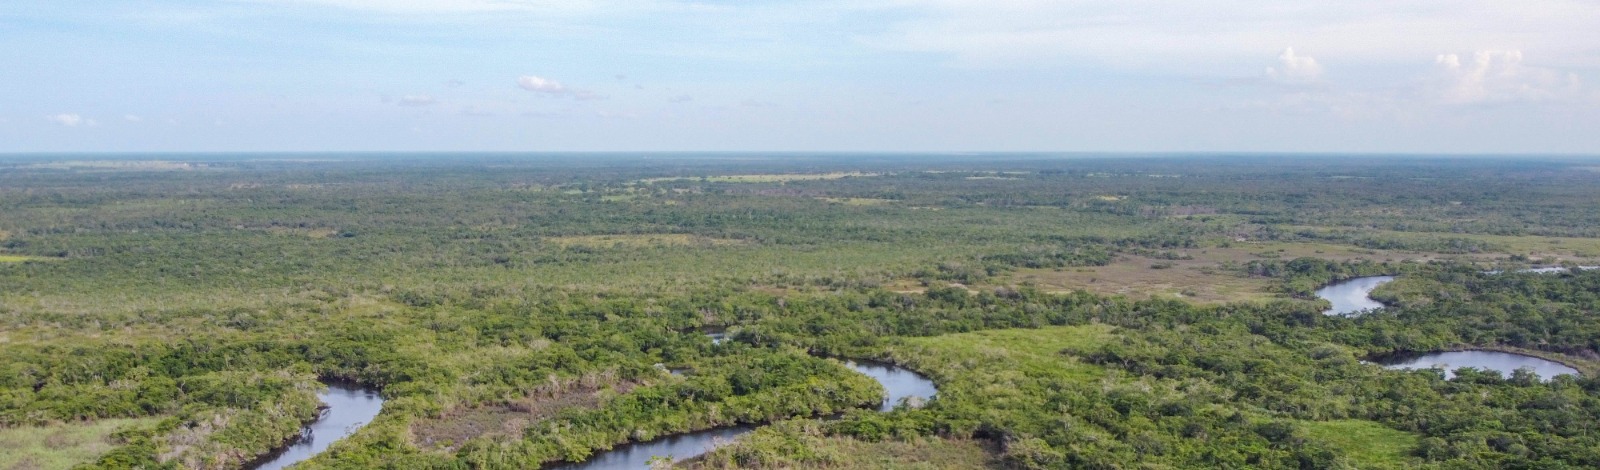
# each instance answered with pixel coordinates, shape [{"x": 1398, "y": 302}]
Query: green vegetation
[
  {"x": 1369, "y": 444},
  {"x": 1075, "y": 312},
  {"x": 804, "y": 444},
  {"x": 62, "y": 445}
]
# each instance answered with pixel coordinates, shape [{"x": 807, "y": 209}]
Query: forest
[{"x": 1074, "y": 311}]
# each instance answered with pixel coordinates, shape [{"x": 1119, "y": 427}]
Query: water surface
[
  {"x": 899, "y": 384},
  {"x": 1351, "y": 296},
  {"x": 348, "y": 408},
  {"x": 1503, "y": 362},
  {"x": 678, "y": 447}
]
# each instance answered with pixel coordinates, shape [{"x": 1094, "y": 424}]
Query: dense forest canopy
[{"x": 1075, "y": 311}]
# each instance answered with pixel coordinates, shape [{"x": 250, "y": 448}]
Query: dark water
[
  {"x": 898, "y": 382},
  {"x": 1350, "y": 296},
  {"x": 1503, "y": 362},
  {"x": 348, "y": 408}
]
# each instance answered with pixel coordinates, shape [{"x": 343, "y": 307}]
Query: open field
[
  {"x": 60, "y": 446},
  {"x": 765, "y": 178},
  {"x": 829, "y": 452},
  {"x": 1532, "y": 246},
  {"x": 119, "y": 165},
  {"x": 857, "y": 201},
  {"x": 1206, "y": 275},
  {"x": 1369, "y": 444},
  {"x": 639, "y": 241},
  {"x": 1033, "y": 352}
]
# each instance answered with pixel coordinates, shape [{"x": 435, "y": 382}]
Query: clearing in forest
[
  {"x": 1368, "y": 444},
  {"x": 640, "y": 240},
  {"x": 1205, "y": 275},
  {"x": 61, "y": 445},
  {"x": 765, "y": 178}
]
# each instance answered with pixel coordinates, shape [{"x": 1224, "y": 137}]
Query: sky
[{"x": 1360, "y": 76}]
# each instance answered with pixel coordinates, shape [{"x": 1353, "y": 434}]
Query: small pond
[
  {"x": 1503, "y": 362},
  {"x": 900, "y": 384},
  {"x": 348, "y": 407},
  {"x": 1351, "y": 296}
]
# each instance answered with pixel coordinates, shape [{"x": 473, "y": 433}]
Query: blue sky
[{"x": 879, "y": 75}]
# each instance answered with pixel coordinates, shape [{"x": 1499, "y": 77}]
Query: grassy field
[
  {"x": 1034, "y": 352},
  {"x": 1536, "y": 247},
  {"x": 116, "y": 165},
  {"x": 839, "y": 453},
  {"x": 14, "y": 258},
  {"x": 639, "y": 241},
  {"x": 60, "y": 446},
  {"x": 856, "y": 201},
  {"x": 1206, "y": 277},
  {"x": 1368, "y": 444},
  {"x": 764, "y": 178}
]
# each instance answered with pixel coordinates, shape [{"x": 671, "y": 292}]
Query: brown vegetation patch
[
  {"x": 640, "y": 240},
  {"x": 507, "y": 419}
]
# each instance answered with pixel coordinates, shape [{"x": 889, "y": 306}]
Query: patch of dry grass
[
  {"x": 60, "y": 445},
  {"x": 119, "y": 165},
  {"x": 765, "y": 178},
  {"x": 856, "y": 201},
  {"x": 640, "y": 240},
  {"x": 449, "y": 431},
  {"x": 1204, "y": 278}
]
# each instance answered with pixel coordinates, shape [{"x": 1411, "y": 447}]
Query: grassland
[
  {"x": 1367, "y": 444},
  {"x": 1205, "y": 275},
  {"x": 765, "y": 178},
  {"x": 1031, "y": 352},
  {"x": 832, "y": 452},
  {"x": 60, "y": 446},
  {"x": 639, "y": 241},
  {"x": 856, "y": 201},
  {"x": 119, "y": 165}
]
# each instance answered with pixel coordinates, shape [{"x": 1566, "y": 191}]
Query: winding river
[
  {"x": 1351, "y": 296},
  {"x": 348, "y": 407},
  {"x": 1502, "y": 362},
  {"x": 901, "y": 385}
]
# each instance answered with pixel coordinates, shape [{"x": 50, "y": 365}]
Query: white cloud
[
  {"x": 547, "y": 86},
  {"x": 417, "y": 101},
  {"x": 540, "y": 84},
  {"x": 1294, "y": 68},
  {"x": 70, "y": 120},
  {"x": 1215, "y": 35},
  {"x": 132, "y": 118},
  {"x": 1501, "y": 77},
  {"x": 452, "y": 6}
]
